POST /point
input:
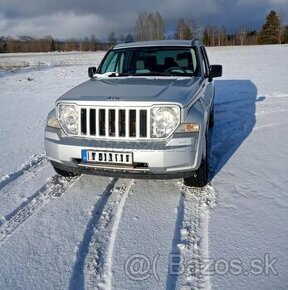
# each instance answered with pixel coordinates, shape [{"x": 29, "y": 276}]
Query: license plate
[{"x": 106, "y": 157}]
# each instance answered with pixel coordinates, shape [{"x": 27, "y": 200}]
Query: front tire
[
  {"x": 63, "y": 172},
  {"x": 200, "y": 178},
  {"x": 211, "y": 118}
]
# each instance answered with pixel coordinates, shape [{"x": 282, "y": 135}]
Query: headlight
[
  {"x": 69, "y": 118},
  {"x": 164, "y": 121}
]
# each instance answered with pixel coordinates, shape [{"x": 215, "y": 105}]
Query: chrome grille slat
[
  {"x": 114, "y": 123},
  {"x": 92, "y": 122},
  {"x": 132, "y": 123},
  {"x": 127, "y": 123},
  {"x": 121, "y": 123},
  {"x": 143, "y": 123},
  {"x": 96, "y": 122},
  {"x": 101, "y": 122},
  {"x": 83, "y": 121},
  {"x": 107, "y": 122},
  {"x": 148, "y": 126},
  {"x": 137, "y": 125},
  {"x": 88, "y": 122}
]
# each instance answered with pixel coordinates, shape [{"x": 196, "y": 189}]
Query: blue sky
[{"x": 75, "y": 18}]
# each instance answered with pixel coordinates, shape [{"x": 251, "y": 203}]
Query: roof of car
[{"x": 184, "y": 43}]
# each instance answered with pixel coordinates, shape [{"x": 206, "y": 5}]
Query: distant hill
[{"x": 19, "y": 37}]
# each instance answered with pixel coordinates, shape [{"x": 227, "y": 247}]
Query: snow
[
  {"x": 25, "y": 104},
  {"x": 107, "y": 233},
  {"x": 14, "y": 61}
]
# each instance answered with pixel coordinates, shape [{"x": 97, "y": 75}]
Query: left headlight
[
  {"x": 69, "y": 118},
  {"x": 164, "y": 121}
]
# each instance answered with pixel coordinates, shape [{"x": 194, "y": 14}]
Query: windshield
[{"x": 180, "y": 61}]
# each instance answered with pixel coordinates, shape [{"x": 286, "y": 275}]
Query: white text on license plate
[{"x": 108, "y": 157}]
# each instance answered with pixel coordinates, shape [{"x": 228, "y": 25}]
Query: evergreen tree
[
  {"x": 271, "y": 31},
  {"x": 121, "y": 38},
  {"x": 129, "y": 38},
  {"x": 112, "y": 38}
]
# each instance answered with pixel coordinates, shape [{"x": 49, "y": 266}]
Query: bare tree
[
  {"x": 212, "y": 32},
  {"x": 160, "y": 26},
  {"x": 150, "y": 26},
  {"x": 93, "y": 43},
  {"x": 223, "y": 35},
  {"x": 180, "y": 29},
  {"x": 242, "y": 34},
  {"x": 185, "y": 30},
  {"x": 140, "y": 26},
  {"x": 195, "y": 29},
  {"x": 283, "y": 14}
]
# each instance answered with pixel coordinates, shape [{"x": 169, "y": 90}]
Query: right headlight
[
  {"x": 164, "y": 121},
  {"x": 69, "y": 118}
]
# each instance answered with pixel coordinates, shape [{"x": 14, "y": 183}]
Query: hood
[{"x": 135, "y": 89}]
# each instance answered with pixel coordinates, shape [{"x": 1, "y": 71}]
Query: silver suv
[{"x": 145, "y": 112}]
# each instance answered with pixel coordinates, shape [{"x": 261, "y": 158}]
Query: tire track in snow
[
  {"x": 53, "y": 188},
  {"x": 98, "y": 262},
  {"x": 35, "y": 162},
  {"x": 193, "y": 245},
  {"x": 77, "y": 278},
  {"x": 270, "y": 125}
]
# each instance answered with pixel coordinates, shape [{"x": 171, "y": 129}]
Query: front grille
[{"x": 114, "y": 122}]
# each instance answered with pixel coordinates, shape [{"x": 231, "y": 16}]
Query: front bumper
[{"x": 173, "y": 158}]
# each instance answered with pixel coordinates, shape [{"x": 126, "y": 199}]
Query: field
[{"x": 89, "y": 232}]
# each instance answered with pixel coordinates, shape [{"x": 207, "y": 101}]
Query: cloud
[
  {"x": 74, "y": 18},
  {"x": 278, "y": 2},
  {"x": 59, "y": 25}
]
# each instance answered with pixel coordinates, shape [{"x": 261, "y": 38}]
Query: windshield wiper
[
  {"x": 115, "y": 74},
  {"x": 153, "y": 73},
  {"x": 169, "y": 74}
]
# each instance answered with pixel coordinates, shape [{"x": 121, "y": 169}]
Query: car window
[
  {"x": 194, "y": 59},
  {"x": 204, "y": 60},
  {"x": 115, "y": 62},
  {"x": 175, "y": 60}
]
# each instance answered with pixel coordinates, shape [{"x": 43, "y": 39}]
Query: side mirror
[
  {"x": 215, "y": 71},
  {"x": 91, "y": 71}
]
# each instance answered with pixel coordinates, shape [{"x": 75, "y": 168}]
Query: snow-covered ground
[
  {"x": 97, "y": 232},
  {"x": 13, "y": 61}
]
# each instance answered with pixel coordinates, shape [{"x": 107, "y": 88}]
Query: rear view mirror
[
  {"x": 215, "y": 71},
  {"x": 91, "y": 71}
]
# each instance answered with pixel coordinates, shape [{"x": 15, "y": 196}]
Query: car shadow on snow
[{"x": 235, "y": 106}]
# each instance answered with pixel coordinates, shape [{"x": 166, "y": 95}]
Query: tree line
[
  {"x": 151, "y": 26},
  {"x": 48, "y": 44}
]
